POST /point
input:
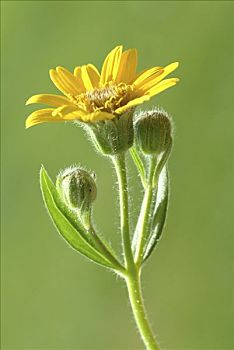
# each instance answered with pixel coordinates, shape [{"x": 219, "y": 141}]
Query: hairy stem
[
  {"x": 138, "y": 309},
  {"x": 120, "y": 167}
]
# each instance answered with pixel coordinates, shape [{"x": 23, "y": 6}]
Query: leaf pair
[{"x": 68, "y": 225}]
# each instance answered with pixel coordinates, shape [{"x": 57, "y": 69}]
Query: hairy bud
[
  {"x": 153, "y": 132},
  {"x": 78, "y": 190}
]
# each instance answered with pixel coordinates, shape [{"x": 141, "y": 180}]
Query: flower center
[{"x": 107, "y": 99}]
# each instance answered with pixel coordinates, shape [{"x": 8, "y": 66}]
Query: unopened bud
[
  {"x": 77, "y": 189},
  {"x": 153, "y": 132}
]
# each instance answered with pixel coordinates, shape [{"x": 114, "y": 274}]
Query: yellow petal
[
  {"x": 127, "y": 66},
  {"x": 39, "y": 117},
  {"x": 97, "y": 116},
  {"x": 63, "y": 110},
  {"x": 46, "y": 115},
  {"x": 69, "y": 80},
  {"x": 146, "y": 75},
  {"x": 77, "y": 74},
  {"x": 135, "y": 102},
  {"x": 90, "y": 76},
  {"x": 170, "y": 68},
  {"x": 48, "y": 99},
  {"x": 163, "y": 85},
  {"x": 111, "y": 65},
  {"x": 58, "y": 82},
  {"x": 154, "y": 80}
]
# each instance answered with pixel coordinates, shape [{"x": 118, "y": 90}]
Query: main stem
[
  {"x": 132, "y": 275},
  {"x": 139, "y": 313}
]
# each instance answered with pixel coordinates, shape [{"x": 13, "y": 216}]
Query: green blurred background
[{"x": 52, "y": 297}]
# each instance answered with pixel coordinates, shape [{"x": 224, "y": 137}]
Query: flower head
[{"x": 90, "y": 96}]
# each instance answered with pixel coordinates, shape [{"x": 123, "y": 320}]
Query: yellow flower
[{"x": 90, "y": 96}]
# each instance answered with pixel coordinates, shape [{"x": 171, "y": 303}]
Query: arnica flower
[{"x": 90, "y": 96}]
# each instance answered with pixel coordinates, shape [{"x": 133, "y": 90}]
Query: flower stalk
[
  {"x": 106, "y": 251},
  {"x": 120, "y": 167}
]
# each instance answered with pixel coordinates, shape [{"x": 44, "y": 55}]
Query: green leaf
[
  {"x": 66, "y": 223},
  {"x": 139, "y": 164},
  {"x": 161, "y": 163},
  {"x": 159, "y": 214}
]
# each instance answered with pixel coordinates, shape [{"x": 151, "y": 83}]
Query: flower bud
[
  {"x": 113, "y": 136},
  {"x": 153, "y": 132},
  {"x": 78, "y": 190}
]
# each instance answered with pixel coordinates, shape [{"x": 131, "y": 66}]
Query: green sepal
[
  {"x": 66, "y": 223},
  {"x": 159, "y": 214},
  {"x": 114, "y": 136}
]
